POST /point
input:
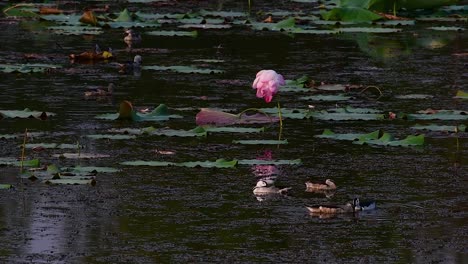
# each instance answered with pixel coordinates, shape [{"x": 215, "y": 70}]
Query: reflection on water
[{"x": 174, "y": 214}]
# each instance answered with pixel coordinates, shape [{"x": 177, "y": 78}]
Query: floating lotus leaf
[
  {"x": 388, "y": 140},
  {"x": 442, "y": 19},
  {"x": 441, "y": 128},
  {"x": 126, "y": 112},
  {"x": 439, "y": 115},
  {"x": 414, "y": 96},
  {"x": 260, "y": 142},
  {"x": 172, "y": 33},
  {"x": 134, "y": 24},
  {"x": 111, "y": 137},
  {"x": 15, "y": 162},
  {"x": 355, "y": 14},
  {"x": 313, "y": 31},
  {"x": 182, "y": 69},
  {"x": 51, "y": 146},
  {"x": 90, "y": 169},
  {"x": 462, "y": 95},
  {"x": 20, "y": 10},
  {"x": 287, "y": 112},
  {"x": 341, "y": 114},
  {"x": 206, "y": 26},
  {"x": 71, "y": 181},
  {"x": 124, "y": 16},
  {"x": 80, "y": 156},
  {"x": 196, "y": 132},
  {"x": 6, "y": 186},
  {"x": 26, "y": 113},
  {"x": 327, "y": 133},
  {"x": 269, "y": 162},
  {"x": 75, "y": 30},
  {"x": 28, "y": 68},
  {"x": 224, "y": 14},
  {"x": 447, "y": 28},
  {"x": 368, "y": 30},
  {"x": 330, "y": 98},
  {"x": 332, "y": 87},
  {"x": 297, "y": 85},
  {"x": 219, "y": 163},
  {"x": 208, "y": 116}
]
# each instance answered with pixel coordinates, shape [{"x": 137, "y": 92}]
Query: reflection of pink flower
[{"x": 267, "y": 84}]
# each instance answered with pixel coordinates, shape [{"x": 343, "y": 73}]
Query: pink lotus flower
[{"x": 267, "y": 84}]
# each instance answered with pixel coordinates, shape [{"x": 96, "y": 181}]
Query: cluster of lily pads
[{"x": 213, "y": 120}]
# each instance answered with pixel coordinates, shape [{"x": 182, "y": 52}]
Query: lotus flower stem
[
  {"x": 281, "y": 121},
  {"x": 23, "y": 149},
  {"x": 394, "y": 8}
]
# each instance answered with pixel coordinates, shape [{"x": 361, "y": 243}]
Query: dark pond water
[{"x": 178, "y": 214}]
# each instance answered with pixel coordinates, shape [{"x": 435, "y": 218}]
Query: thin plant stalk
[
  {"x": 23, "y": 150},
  {"x": 281, "y": 121}
]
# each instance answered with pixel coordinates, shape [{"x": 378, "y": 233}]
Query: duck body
[
  {"x": 266, "y": 186},
  {"x": 365, "y": 205},
  {"x": 130, "y": 67},
  {"x": 101, "y": 92},
  {"x": 349, "y": 207},
  {"x": 327, "y": 185}
]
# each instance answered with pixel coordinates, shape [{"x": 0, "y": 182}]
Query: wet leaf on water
[
  {"x": 26, "y": 113},
  {"x": 260, "y": 142},
  {"x": 80, "y": 156},
  {"x": 219, "y": 163},
  {"x": 332, "y": 87},
  {"x": 327, "y": 133},
  {"x": 441, "y": 128},
  {"x": 461, "y": 94},
  {"x": 206, "y": 26},
  {"x": 329, "y": 98},
  {"x": 20, "y": 10},
  {"x": 224, "y": 14},
  {"x": 51, "y": 146},
  {"x": 368, "y": 30},
  {"x": 126, "y": 112},
  {"x": 28, "y": 68},
  {"x": 91, "y": 169},
  {"x": 348, "y": 113},
  {"x": 208, "y": 116},
  {"x": 414, "y": 96},
  {"x": 6, "y": 186},
  {"x": 75, "y": 30},
  {"x": 269, "y": 162},
  {"x": 439, "y": 115},
  {"x": 71, "y": 181},
  {"x": 447, "y": 28},
  {"x": 172, "y": 33},
  {"x": 388, "y": 140},
  {"x": 182, "y": 69},
  {"x": 17, "y": 163},
  {"x": 355, "y": 14},
  {"x": 111, "y": 136}
]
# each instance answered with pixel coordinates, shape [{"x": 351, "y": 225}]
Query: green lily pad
[
  {"x": 368, "y": 30},
  {"x": 327, "y": 133},
  {"x": 461, "y": 94},
  {"x": 388, "y": 140},
  {"x": 80, "y": 156},
  {"x": 134, "y": 24},
  {"x": 75, "y": 30},
  {"x": 447, "y": 28},
  {"x": 208, "y": 116},
  {"x": 160, "y": 113},
  {"x": 440, "y": 115},
  {"x": 111, "y": 137},
  {"x": 441, "y": 128},
  {"x": 182, "y": 69},
  {"x": 21, "y": 10},
  {"x": 26, "y": 113},
  {"x": 260, "y": 142},
  {"x": 329, "y": 98},
  {"x": 342, "y": 114},
  {"x": 224, "y": 14},
  {"x": 172, "y": 33},
  {"x": 90, "y": 169},
  {"x": 71, "y": 181},
  {"x": 28, "y": 68},
  {"x": 52, "y": 146},
  {"x": 206, "y": 26},
  {"x": 354, "y": 14},
  {"x": 269, "y": 162},
  {"x": 414, "y": 96},
  {"x": 17, "y": 163},
  {"x": 6, "y": 186},
  {"x": 332, "y": 87},
  {"x": 219, "y": 163}
]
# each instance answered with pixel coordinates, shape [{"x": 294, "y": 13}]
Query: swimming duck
[
  {"x": 364, "y": 206},
  {"x": 130, "y": 67},
  {"x": 101, "y": 92},
  {"x": 328, "y": 185},
  {"x": 349, "y": 207},
  {"x": 94, "y": 55},
  {"x": 132, "y": 37},
  {"x": 265, "y": 187}
]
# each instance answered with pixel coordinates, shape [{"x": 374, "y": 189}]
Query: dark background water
[{"x": 176, "y": 214}]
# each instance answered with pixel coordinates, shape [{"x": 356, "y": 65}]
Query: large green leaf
[
  {"x": 327, "y": 133},
  {"x": 172, "y": 33},
  {"x": 91, "y": 169},
  {"x": 52, "y": 146},
  {"x": 330, "y": 98},
  {"x": 111, "y": 136},
  {"x": 354, "y": 14},
  {"x": 461, "y": 94},
  {"x": 15, "y": 162},
  {"x": 441, "y": 128},
  {"x": 439, "y": 115},
  {"x": 424, "y": 4},
  {"x": 388, "y": 140},
  {"x": 160, "y": 113},
  {"x": 5, "y": 186},
  {"x": 28, "y": 68},
  {"x": 26, "y": 113}
]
